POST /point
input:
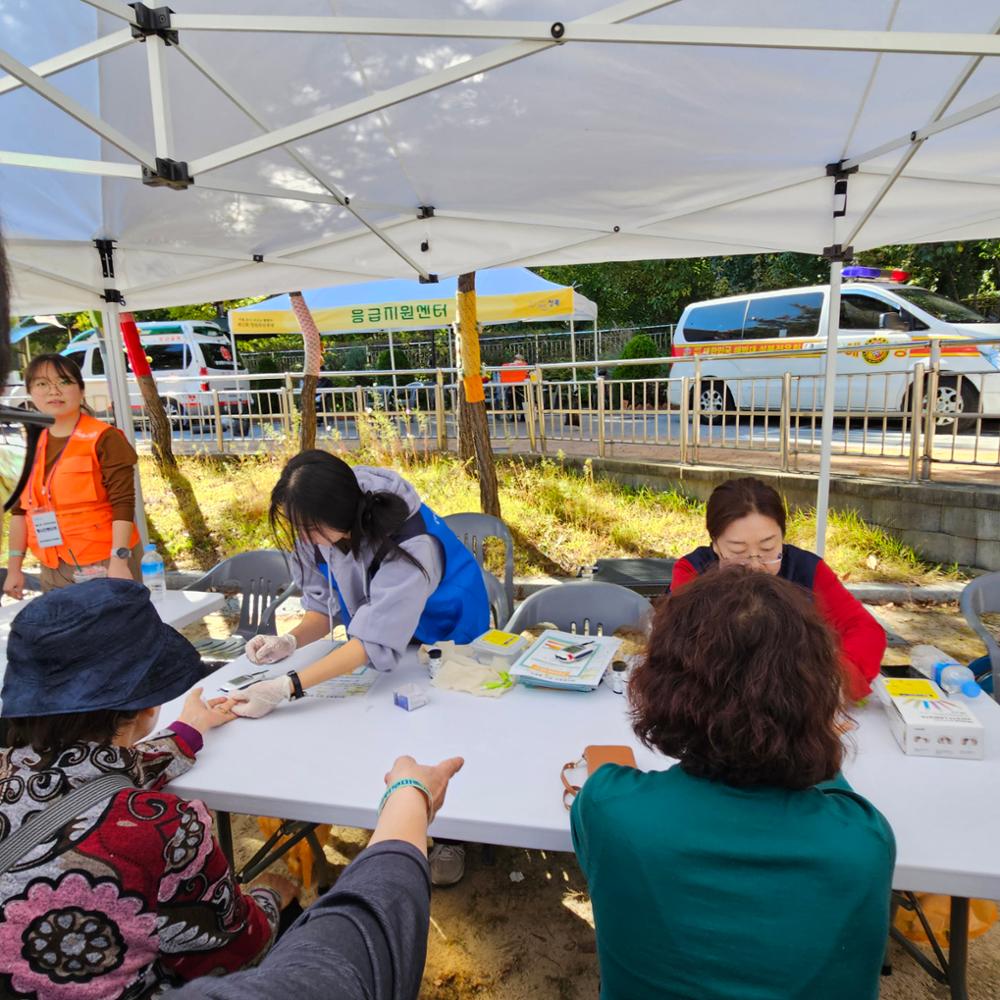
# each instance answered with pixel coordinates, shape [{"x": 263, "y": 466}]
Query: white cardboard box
[{"x": 926, "y": 723}]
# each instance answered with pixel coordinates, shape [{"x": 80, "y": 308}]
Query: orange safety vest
[
  {"x": 515, "y": 372},
  {"x": 75, "y": 491}
]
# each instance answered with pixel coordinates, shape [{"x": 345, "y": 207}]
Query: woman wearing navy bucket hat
[{"x": 109, "y": 885}]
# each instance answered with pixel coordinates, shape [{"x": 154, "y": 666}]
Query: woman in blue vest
[{"x": 365, "y": 552}]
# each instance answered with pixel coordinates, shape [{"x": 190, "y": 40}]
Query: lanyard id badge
[{"x": 46, "y": 528}]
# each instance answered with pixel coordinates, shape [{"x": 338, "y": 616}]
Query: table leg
[
  {"x": 225, "y": 830},
  {"x": 958, "y": 948}
]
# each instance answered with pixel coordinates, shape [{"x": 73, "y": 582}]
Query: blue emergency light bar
[{"x": 876, "y": 273}]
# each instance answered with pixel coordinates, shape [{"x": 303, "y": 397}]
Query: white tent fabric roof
[{"x": 650, "y": 129}]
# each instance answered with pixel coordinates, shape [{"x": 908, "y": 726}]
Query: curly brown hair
[{"x": 741, "y": 682}]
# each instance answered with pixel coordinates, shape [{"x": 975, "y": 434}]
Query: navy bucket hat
[{"x": 95, "y": 645}]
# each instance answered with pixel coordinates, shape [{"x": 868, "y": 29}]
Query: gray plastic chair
[
  {"x": 264, "y": 581},
  {"x": 582, "y": 606},
  {"x": 473, "y": 530},
  {"x": 500, "y": 608},
  {"x": 982, "y": 596}
]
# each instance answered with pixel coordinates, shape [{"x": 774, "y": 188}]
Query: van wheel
[
  {"x": 717, "y": 404},
  {"x": 955, "y": 396},
  {"x": 173, "y": 411}
]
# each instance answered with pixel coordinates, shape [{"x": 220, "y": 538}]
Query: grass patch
[{"x": 561, "y": 518}]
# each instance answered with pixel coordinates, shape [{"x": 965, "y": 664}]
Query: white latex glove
[
  {"x": 259, "y": 699},
  {"x": 262, "y": 649}
]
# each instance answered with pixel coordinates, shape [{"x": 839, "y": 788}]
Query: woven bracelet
[{"x": 408, "y": 783}]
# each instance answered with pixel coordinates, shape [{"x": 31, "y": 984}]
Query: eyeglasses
[
  {"x": 44, "y": 384},
  {"x": 19, "y": 434},
  {"x": 743, "y": 560}
]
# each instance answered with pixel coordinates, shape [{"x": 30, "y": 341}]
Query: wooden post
[
  {"x": 474, "y": 434},
  {"x": 313, "y": 356}
]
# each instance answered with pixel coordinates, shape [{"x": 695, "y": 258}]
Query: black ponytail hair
[{"x": 317, "y": 490}]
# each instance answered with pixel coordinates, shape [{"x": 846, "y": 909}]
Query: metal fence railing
[{"x": 701, "y": 415}]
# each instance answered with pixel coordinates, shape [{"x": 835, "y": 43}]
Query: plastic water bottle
[
  {"x": 154, "y": 574},
  {"x": 939, "y": 667}
]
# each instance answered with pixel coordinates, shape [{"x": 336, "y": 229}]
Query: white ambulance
[
  {"x": 181, "y": 354},
  {"x": 737, "y": 338}
]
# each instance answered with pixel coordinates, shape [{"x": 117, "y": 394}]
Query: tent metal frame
[{"x": 524, "y": 38}]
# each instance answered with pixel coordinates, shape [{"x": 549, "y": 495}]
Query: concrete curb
[{"x": 868, "y": 593}]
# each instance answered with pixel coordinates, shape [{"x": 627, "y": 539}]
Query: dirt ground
[{"x": 520, "y": 925}]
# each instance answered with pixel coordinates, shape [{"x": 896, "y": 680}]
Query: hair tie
[{"x": 366, "y": 506}]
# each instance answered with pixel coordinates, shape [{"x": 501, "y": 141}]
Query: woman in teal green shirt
[{"x": 750, "y": 870}]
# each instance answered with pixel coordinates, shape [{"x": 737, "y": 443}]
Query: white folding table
[
  {"x": 323, "y": 761},
  {"x": 176, "y": 607}
]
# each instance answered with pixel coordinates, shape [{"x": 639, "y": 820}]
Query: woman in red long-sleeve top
[{"x": 746, "y": 524}]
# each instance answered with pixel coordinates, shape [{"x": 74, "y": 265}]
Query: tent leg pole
[
  {"x": 117, "y": 379},
  {"x": 572, "y": 344},
  {"x": 829, "y": 390},
  {"x": 392, "y": 365}
]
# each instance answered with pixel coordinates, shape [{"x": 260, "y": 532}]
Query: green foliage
[
  {"x": 957, "y": 270},
  {"x": 561, "y": 517},
  {"x": 355, "y": 360},
  {"x": 640, "y": 346},
  {"x": 639, "y": 292},
  {"x": 384, "y": 363}
]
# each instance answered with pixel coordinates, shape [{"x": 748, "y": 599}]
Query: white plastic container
[{"x": 495, "y": 644}]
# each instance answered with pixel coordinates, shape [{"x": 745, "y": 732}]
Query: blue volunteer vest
[
  {"x": 459, "y": 609},
  {"x": 797, "y": 565}
]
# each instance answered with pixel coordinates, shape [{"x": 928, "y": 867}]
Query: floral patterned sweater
[{"x": 130, "y": 898}]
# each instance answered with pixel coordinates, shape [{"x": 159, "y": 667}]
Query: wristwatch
[{"x": 122, "y": 553}]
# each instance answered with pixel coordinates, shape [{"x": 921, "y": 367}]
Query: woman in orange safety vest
[{"x": 77, "y": 510}]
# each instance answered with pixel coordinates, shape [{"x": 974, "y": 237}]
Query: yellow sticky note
[
  {"x": 908, "y": 687},
  {"x": 500, "y": 639}
]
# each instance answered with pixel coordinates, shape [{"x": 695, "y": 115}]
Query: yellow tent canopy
[{"x": 506, "y": 295}]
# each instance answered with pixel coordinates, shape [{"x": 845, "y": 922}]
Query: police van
[
  {"x": 181, "y": 354},
  {"x": 737, "y": 338}
]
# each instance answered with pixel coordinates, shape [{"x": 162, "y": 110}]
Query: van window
[
  {"x": 97, "y": 362},
  {"x": 722, "y": 321},
  {"x": 940, "y": 307},
  {"x": 784, "y": 316},
  {"x": 165, "y": 357},
  {"x": 217, "y": 355},
  {"x": 861, "y": 312}
]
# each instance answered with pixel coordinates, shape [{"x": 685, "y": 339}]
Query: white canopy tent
[{"x": 228, "y": 150}]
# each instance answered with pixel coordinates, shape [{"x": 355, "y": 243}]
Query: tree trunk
[
  {"x": 159, "y": 422},
  {"x": 474, "y": 433},
  {"x": 307, "y": 433},
  {"x": 313, "y": 356}
]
